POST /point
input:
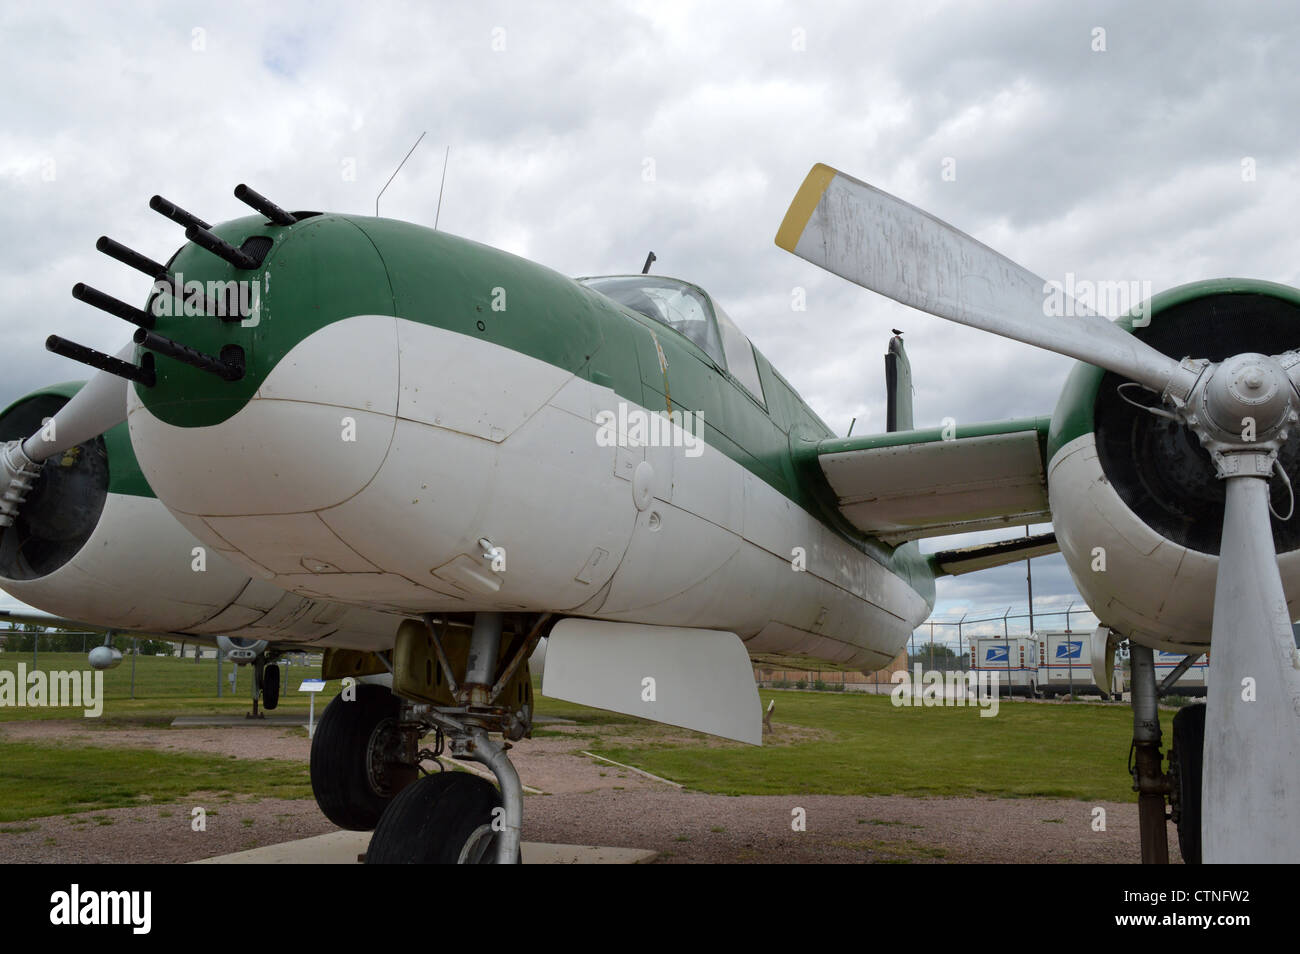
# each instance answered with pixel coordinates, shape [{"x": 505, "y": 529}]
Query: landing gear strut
[
  {"x": 1149, "y": 780},
  {"x": 452, "y": 818}
]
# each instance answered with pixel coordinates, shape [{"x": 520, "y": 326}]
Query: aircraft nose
[{"x": 312, "y": 435}]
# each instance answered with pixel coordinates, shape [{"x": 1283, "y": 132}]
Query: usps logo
[
  {"x": 1069, "y": 650},
  {"x": 997, "y": 654}
]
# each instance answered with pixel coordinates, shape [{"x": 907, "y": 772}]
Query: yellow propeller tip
[{"x": 803, "y": 204}]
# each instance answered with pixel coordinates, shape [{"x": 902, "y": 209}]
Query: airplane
[{"x": 487, "y": 453}]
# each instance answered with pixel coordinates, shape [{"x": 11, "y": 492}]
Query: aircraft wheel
[
  {"x": 271, "y": 687},
  {"x": 1185, "y": 761},
  {"x": 444, "y": 819},
  {"x": 356, "y": 765}
]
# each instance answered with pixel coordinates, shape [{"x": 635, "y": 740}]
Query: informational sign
[{"x": 312, "y": 686}]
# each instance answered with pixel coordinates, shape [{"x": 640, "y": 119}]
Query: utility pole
[{"x": 1029, "y": 579}]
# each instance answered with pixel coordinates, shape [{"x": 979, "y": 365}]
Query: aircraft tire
[
  {"x": 445, "y": 818},
  {"x": 341, "y": 751},
  {"x": 271, "y": 686},
  {"x": 1185, "y": 762}
]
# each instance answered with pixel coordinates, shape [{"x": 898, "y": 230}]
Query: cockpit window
[
  {"x": 672, "y": 303},
  {"x": 740, "y": 356}
]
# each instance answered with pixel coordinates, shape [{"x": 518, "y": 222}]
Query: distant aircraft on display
[{"x": 424, "y": 455}]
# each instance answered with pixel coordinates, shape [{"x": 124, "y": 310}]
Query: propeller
[
  {"x": 99, "y": 405},
  {"x": 1252, "y": 746},
  {"x": 882, "y": 243},
  {"x": 1252, "y": 742}
]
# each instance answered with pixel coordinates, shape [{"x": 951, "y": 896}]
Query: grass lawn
[
  {"x": 872, "y": 748},
  {"x": 857, "y": 745},
  {"x": 40, "y": 780}
]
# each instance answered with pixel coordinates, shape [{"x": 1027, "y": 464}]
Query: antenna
[
  {"x": 649, "y": 260},
  {"x": 438, "y": 214},
  {"x": 394, "y": 175}
]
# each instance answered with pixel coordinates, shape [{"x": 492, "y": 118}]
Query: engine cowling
[
  {"x": 1136, "y": 505},
  {"x": 241, "y": 649},
  {"x": 92, "y": 543}
]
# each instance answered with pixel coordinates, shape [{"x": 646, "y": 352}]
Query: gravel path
[{"x": 586, "y": 803}]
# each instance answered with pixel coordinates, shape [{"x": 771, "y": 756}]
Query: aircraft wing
[{"x": 905, "y": 485}]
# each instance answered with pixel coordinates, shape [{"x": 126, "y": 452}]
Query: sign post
[{"x": 311, "y": 686}]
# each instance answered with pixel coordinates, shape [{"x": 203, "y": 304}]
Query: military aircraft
[{"x": 378, "y": 418}]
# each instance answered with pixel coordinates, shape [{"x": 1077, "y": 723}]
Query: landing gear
[
  {"x": 477, "y": 697},
  {"x": 449, "y": 818},
  {"x": 471, "y": 687},
  {"x": 266, "y": 685},
  {"x": 271, "y": 687},
  {"x": 1149, "y": 780},
  {"x": 362, "y": 755},
  {"x": 1185, "y": 761}
]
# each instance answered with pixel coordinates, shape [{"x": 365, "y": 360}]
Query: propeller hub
[{"x": 1248, "y": 399}]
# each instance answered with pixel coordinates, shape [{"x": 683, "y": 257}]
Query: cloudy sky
[{"x": 1105, "y": 140}]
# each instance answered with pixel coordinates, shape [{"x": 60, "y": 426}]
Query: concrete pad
[
  {"x": 190, "y": 722},
  {"x": 346, "y": 847}
]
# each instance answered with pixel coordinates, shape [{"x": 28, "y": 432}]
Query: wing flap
[
  {"x": 983, "y": 556},
  {"x": 907, "y": 485}
]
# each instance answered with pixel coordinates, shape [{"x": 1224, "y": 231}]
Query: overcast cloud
[{"x": 1118, "y": 165}]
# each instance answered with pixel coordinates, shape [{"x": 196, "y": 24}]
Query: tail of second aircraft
[{"x": 898, "y": 385}]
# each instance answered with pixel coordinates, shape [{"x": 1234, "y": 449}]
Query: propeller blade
[
  {"x": 890, "y": 247},
  {"x": 99, "y": 405},
  {"x": 1250, "y": 811}
]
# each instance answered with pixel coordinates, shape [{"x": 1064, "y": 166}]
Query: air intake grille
[{"x": 1158, "y": 466}]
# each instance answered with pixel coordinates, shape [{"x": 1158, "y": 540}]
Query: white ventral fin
[{"x": 699, "y": 679}]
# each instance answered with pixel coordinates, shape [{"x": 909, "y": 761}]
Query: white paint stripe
[{"x": 633, "y": 768}]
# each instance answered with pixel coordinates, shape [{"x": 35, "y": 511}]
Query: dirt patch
[
  {"x": 685, "y": 827},
  {"x": 254, "y": 741},
  {"x": 160, "y": 834},
  {"x": 693, "y": 827}
]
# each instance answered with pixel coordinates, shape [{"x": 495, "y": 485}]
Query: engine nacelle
[
  {"x": 241, "y": 650},
  {"x": 1136, "y": 505},
  {"x": 91, "y": 542}
]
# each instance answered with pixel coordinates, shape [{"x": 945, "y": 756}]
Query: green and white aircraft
[{"x": 425, "y": 455}]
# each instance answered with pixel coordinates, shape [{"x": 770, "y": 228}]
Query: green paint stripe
[{"x": 931, "y": 435}]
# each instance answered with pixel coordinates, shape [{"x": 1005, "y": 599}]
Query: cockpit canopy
[{"x": 686, "y": 309}]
